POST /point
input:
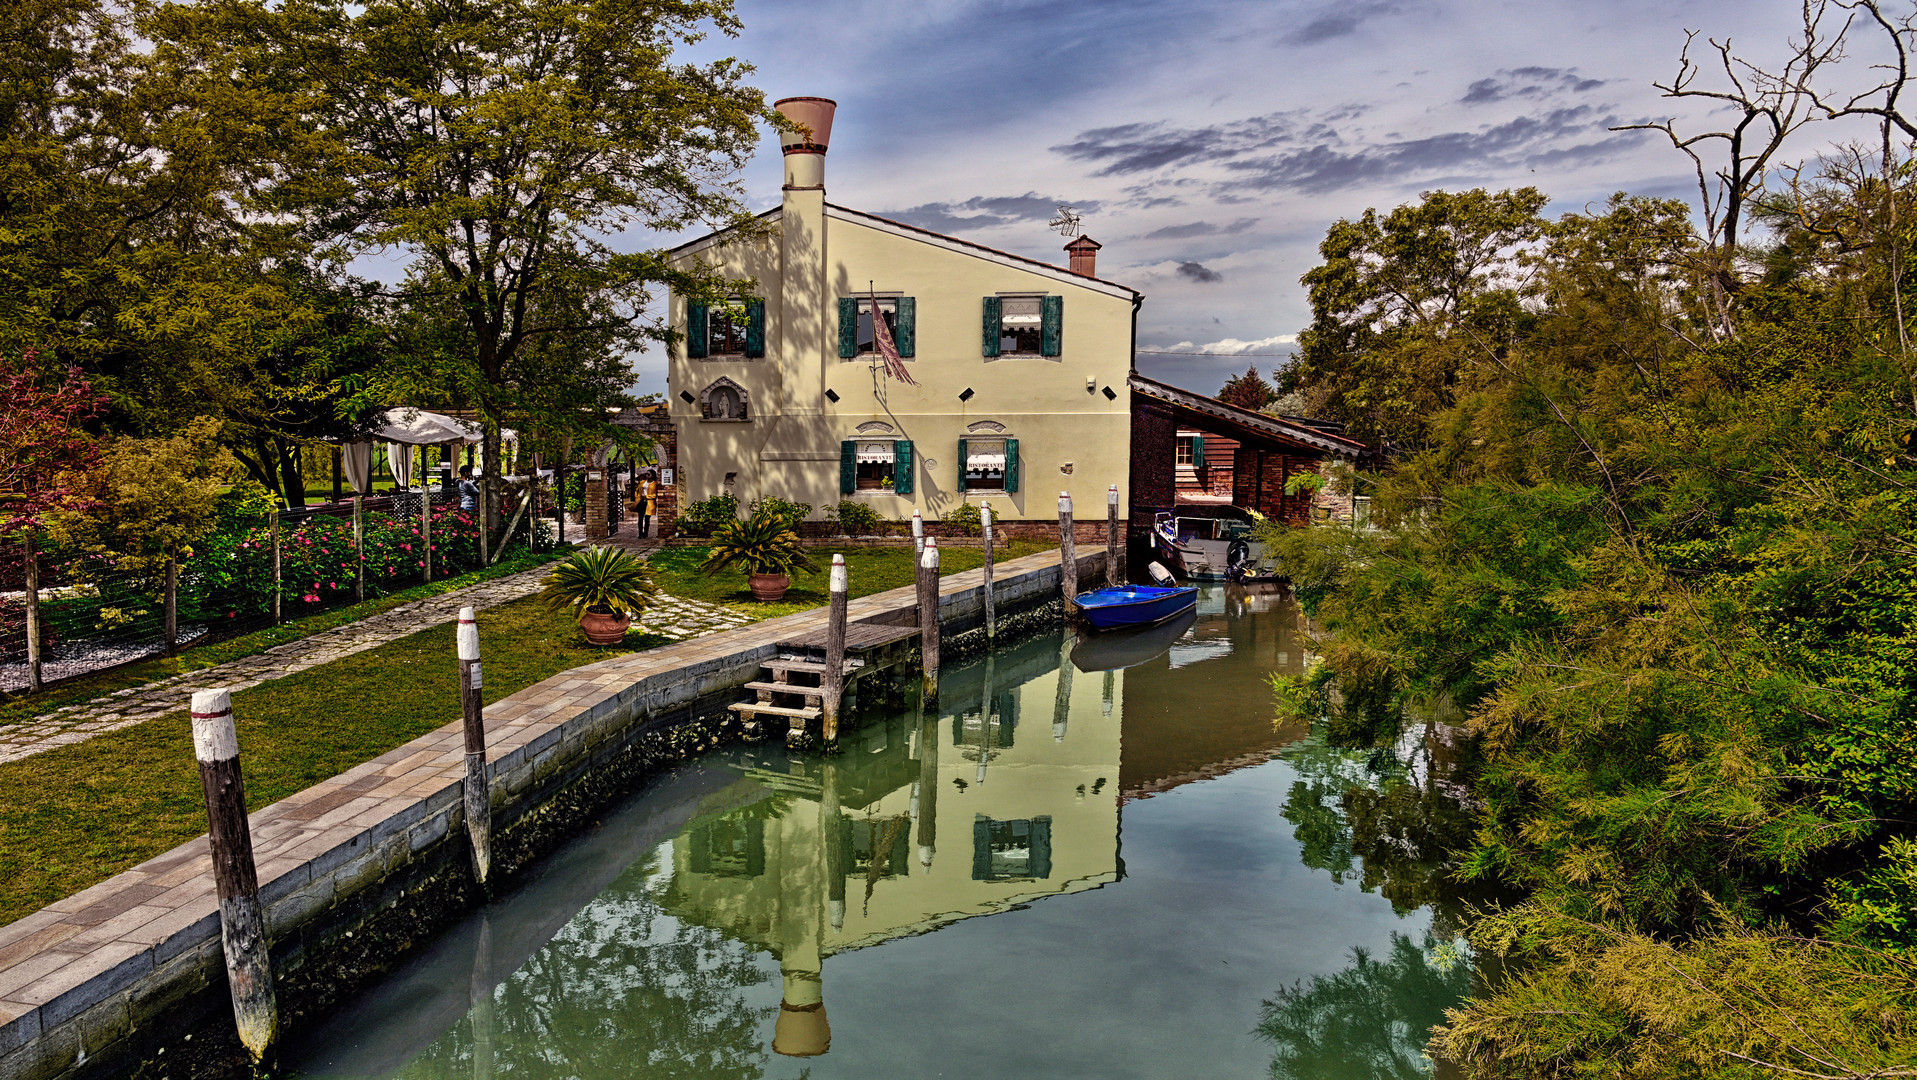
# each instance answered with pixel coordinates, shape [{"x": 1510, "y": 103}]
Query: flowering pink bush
[{"x": 319, "y": 551}]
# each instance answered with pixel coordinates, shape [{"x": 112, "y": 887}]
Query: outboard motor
[
  {"x": 1237, "y": 558},
  {"x": 1162, "y": 576}
]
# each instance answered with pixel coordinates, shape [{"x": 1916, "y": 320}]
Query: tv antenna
[{"x": 1067, "y": 221}]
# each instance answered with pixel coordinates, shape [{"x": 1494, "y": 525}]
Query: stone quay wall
[{"x": 129, "y": 970}]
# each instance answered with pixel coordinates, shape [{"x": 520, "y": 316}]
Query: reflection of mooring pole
[
  {"x": 1111, "y": 684},
  {"x": 1062, "y": 700},
  {"x": 834, "y": 848},
  {"x": 985, "y": 522},
  {"x": 985, "y": 722},
  {"x": 481, "y": 991},
  {"x": 928, "y": 590},
  {"x": 479, "y": 804},
  {"x": 833, "y": 680},
  {"x": 928, "y": 784},
  {"x": 1111, "y": 535},
  {"x": 249, "y": 962}
]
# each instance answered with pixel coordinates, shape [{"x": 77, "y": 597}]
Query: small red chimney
[{"x": 1084, "y": 253}]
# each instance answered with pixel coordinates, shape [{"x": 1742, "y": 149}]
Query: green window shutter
[
  {"x": 981, "y": 846},
  {"x": 848, "y": 467},
  {"x": 1053, "y": 340},
  {"x": 848, "y": 327},
  {"x": 696, "y": 330},
  {"x": 755, "y": 328},
  {"x": 961, "y": 468},
  {"x": 901, "y": 467},
  {"x": 1041, "y": 859},
  {"x": 1011, "y": 465},
  {"x": 992, "y": 326},
  {"x": 1198, "y": 451},
  {"x": 905, "y": 333}
]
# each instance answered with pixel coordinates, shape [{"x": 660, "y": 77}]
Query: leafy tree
[
  {"x": 497, "y": 143},
  {"x": 150, "y": 499},
  {"x": 1248, "y": 391},
  {"x": 45, "y": 450}
]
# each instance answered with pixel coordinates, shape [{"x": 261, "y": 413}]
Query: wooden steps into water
[
  {"x": 785, "y": 688},
  {"x": 749, "y": 709},
  {"x": 859, "y": 637}
]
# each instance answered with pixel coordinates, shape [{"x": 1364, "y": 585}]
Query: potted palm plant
[
  {"x": 605, "y": 587},
  {"x": 765, "y": 547}
]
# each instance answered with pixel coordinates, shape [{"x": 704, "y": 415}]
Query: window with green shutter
[
  {"x": 902, "y": 467},
  {"x": 848, "y": 327},
  {"x": 696, "y": 330},
  {"x": 905, "y": 332},
  {"x": 755, "y": 328},
  {"x": 1053, "y": 326},
  {"x": 992, "y": 327},
  {"x": 848, "y": 467}
]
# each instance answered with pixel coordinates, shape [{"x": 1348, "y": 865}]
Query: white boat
[{"x": 1205, "y": 548}]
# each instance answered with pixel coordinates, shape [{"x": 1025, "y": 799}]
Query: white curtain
[
  {"x": 399, "y": 458},
  {"x": 357, "y": 457}
]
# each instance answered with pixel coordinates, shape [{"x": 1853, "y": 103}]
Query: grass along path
[
  {"x": 74, "y": 816},
  {"x": 869, "y": 570}
]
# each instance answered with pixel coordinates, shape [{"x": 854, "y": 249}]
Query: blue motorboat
[{"x": 1124, "y": 606}]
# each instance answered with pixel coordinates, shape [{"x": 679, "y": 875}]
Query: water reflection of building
[
  {"x": 1163, "y": 746},
  {"x": 1005, "y": 794}
]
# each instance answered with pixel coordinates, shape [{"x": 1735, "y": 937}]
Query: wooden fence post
[
  {"x": 928, "y": 595},
  {"x": 359, "y": 547},
  {"x": 991, "y": 622},
  {"x": 479, "y": 804},
  {"x": 918, "y": 534},
  {"x": 32, "y": 556},
  {"x": 273, "y": 523},
  {"x": 834, "y": 678},
  {"x": 170, "y": 618},
  {"x": 1067, "y": 552},
  {"x": 249, "y": 962},
  {"x": 426, "y": 529},
  {"x": 1111, "y": 535}
]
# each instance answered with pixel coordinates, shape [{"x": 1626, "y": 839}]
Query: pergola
[{"x": 408, "y": 427}]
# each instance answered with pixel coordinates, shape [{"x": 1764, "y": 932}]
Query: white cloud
[{"x": 1230, "y": 346}]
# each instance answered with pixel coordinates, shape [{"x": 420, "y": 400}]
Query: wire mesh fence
[{"x": 94, "y": 611}]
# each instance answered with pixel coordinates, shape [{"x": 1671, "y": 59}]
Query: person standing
[
  {"x": 644, "y": 492},
  {"x": 468, "y": 489}
]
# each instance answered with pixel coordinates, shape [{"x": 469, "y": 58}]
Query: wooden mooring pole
[
  {"x": 928, "y": 596},
  {"x": 833, "y": 680},
  {"x": 426, "y": 527},
  {"x": 479, "y": 803},
  {"x": 32, "y": 585},
  {"x": 249, "y": 962},
  {"x": 170, "y": 610},
  {"x": 1111, "y": 535},
  {"x": 1067, "y": 552},
  {"x": 991, "y": 620}
]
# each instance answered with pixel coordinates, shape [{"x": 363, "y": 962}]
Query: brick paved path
[{"x": 671, "y": 617}]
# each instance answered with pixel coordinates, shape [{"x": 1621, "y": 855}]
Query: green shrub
[
  {"x": 703, "y": 518},
  {"x": 964, "y": 519},
  {"x": 854, "y": 518},
  {"x": 791, "y": 513}
]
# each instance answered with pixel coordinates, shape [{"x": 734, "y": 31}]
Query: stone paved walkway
[{"x": 671, "y": 617}]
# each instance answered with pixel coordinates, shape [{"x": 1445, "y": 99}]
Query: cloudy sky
[{"x": 1209, "y": 145}]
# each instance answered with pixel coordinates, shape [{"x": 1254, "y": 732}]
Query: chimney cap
[
  {"x": 1084, "y": 243},
  {"x": 812, "y": 113}
]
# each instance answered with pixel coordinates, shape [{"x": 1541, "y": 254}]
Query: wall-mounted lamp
[
  {"x": 966, "y": 395},
  {"x": 832, "y": 396},
  {"x": 687, "y": 398},
  {"x": 1110, "y": 395},
  {"x": 1091, "y": 384}
]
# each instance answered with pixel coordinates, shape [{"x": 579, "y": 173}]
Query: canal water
[{"x": 1091, "y": 859}]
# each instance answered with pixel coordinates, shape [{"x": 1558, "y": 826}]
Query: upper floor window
[
  {"x": 855, "y": 325},
  {"x": 1024, "y": 324},
  {"x": 735, "y": 328}
]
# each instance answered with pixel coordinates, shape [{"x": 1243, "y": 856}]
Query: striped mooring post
[
  {"x": 249, "y": 961},
  {"x": 479, "y": 803},
  {"x": 1111, "y": 535},
  {"x": 918, "y": 534}
]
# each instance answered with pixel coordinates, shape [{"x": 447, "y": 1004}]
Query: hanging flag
[{"x": 883, "y": 344}]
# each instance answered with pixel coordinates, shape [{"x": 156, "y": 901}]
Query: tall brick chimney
[{"x": 1084, "y": 253}]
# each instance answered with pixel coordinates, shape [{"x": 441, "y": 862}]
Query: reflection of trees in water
[
  {"x": 623, "y": 990},
  {"x": 1369, "y": 1021},
  {"x": 1387, "y": 811}
]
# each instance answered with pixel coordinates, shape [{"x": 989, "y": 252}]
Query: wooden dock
[{"x": 859, "y": 637}]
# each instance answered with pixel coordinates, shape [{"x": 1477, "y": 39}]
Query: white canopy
[
  {"x": 417, "y": 427},
  {"x": 986, "y": 461},
  {"x": 876, "y": 453}
]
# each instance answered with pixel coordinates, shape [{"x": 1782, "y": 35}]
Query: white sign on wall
[{"x": 665, "y": 477}]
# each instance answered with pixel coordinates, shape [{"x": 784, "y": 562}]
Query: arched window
[{"x": 724, "y": 400}]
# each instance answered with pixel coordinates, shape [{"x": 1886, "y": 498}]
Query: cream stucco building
[{"x": 1020, "y": 366}]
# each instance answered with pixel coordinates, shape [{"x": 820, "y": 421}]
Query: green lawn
[
  {"x": 88, "y": 687},
  {"x": 868, "y": 571},
  {"x": 74, "y": 816}
]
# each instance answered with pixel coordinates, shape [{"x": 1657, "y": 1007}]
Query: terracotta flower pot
[
  {"x": 604, "y": 629},
  {"x": 770, "y": 586}
]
